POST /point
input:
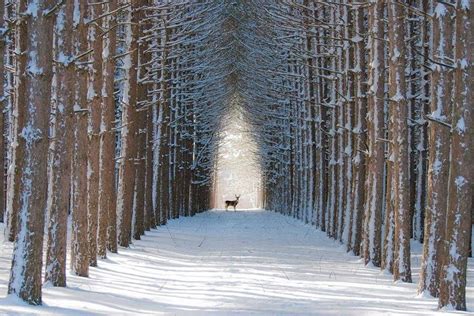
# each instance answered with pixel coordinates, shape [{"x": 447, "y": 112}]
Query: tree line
[
  {"x": 109, "y": 112},
  {"x": 375, "y": 132}
]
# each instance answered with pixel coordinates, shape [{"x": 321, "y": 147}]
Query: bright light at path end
[{"x": 237, "y": 170}]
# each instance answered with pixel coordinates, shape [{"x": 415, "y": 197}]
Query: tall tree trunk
[
  {"x": 3, "y": 45},
  {"x": 359, "y": 130},
  {"x": 17, "y": 121},
  {"x": 60, "y": 170},
  {"x": 348, "y": 113},
  {"x": 79, "y": 233},
  {"x": 35, "y": 42},
  {"x": 107, "y": 222},
  {"x": 142, "y": 120},
  {"x": 139, "y": 225},
  {"x": 150, "y": 221},
  {"x": 146, "y": 78},
  {"x": 461, "y": 175},
  {"x": 126, "y": 185},
  {"x": 94, "y": 101},
  {"x": 375, "y": 135},
  {"x": 399, "y": 112},
  {"x": 439, "y": 138},
  {"x": 164, "y": 112}
]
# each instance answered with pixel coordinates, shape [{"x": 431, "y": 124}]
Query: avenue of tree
[{"x": 361, "y": 111}]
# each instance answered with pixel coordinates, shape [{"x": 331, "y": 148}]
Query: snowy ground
[{"x": 252, "y": 262}]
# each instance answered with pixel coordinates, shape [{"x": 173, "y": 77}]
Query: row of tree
[
  {"x": 368, "y": 128},
  {"x": 111, "y": 111}
]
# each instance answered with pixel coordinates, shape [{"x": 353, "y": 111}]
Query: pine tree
[
  {"x": 33, "y": 90},
  {"x": 375, "y": 136},
  {"x": 107, "y": 222},
  {"x": 60, "y": 167},
  {"x": 399, "y": 139},
  {"x": 94, "y": 101},
  {"x": 439, "y": 135},
  {"x": 79, "y": 233},
  {"x": 3, "y": 98},
  {"x": 460, "y": 192},
  {"x": 126, "y": 180}
]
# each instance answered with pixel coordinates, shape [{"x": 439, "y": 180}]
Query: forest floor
[{"x": 244, "y": 262}]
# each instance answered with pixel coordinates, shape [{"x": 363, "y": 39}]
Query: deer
[{"x": 232, "y": 203}]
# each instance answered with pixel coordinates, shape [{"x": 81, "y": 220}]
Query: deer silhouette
[{"x": 232, "y": 203}]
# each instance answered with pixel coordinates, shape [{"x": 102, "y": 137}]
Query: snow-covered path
[{"x": 251, "y": 262}]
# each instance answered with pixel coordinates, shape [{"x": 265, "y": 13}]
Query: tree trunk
[
  {"x": 147, "y": 76},
  {"x": 17, "y": 121},
  {"x": 107, "y": 222},
  {"x": 439, "y": 138},
  {"x": 375, "y": 135},
  {"x": 359, "y": 163},
  {"x": 2, "y": 112},
  {"x": 399, "y": 112},
  {"x": 79, "y": 233},
  {"x": 60, "y": 169},
  {"x": 35, "y": 42},
  {"x": 164, "y": 207},
  {"x": 461, "y": 176},
  {"x": 126, "y": 184},
  {"x": 94, "y": 101}
]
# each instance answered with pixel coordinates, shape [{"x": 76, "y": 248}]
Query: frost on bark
[
  {"x": 60, "y": 169},
  {"x": 439, "y": 138},
  {"x": 461, "y": 174},
  {"x": 35, "y": 40}
]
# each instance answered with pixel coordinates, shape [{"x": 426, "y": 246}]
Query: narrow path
[{"x": 230, "y": 263}]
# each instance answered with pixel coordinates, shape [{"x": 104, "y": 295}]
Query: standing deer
[{"x": 232, "y": 203}]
